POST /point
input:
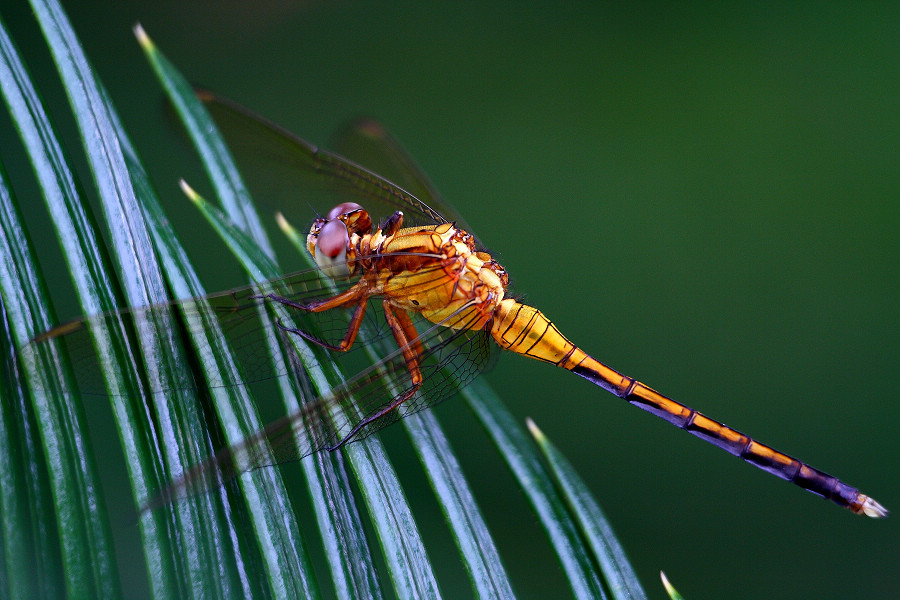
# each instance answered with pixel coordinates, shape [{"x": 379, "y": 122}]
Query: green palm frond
[{"x": 243, "y": 539}]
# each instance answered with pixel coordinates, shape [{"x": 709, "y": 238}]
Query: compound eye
[
  {"x": 354, "y": 217},
  {"x": 342, "y": 209},
  {"x": 331, "y": 249},
  {"x": 333, "y": 238}
]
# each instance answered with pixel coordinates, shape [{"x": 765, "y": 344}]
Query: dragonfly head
[{"x": 329, "y": 239}]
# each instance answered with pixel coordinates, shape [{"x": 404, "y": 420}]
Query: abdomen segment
[{"x": 525, "y": 330}]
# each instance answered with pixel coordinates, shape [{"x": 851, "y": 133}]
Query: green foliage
[{"x": 237, "y": 540}]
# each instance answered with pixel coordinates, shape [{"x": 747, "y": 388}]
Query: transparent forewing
[
  {"x": 238, "y": 315},
  {"x": 453, "y": 355},
  {"x": 452, "y": 358},
  {"x": 367, "y": 142},
  {"x": 301, "y": 180}
]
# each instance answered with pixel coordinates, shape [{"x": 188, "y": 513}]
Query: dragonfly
[{"x": 414, "y": 286}]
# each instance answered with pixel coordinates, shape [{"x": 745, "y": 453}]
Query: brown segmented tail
[{"x": 525, "y": 330}]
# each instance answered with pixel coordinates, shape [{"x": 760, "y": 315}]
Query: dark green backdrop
[{"x": 707, "y": 199}]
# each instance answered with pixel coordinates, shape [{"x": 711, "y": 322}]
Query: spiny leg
[
  {"x": 349, "y": 296},
  {"x": 407, "y": 338},
  {"x": 409, "y": 330},
  {"x": 355, "y": 322},
  {"x": 356, "y": 294}
]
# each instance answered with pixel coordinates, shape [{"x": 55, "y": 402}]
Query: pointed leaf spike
[
  {"x": 189, "y": 191},
  {"x": 142, "y": 37},
  {"x": 536, "y": 433},
  {"x": 670, "y": 589},
  {"x": 283, "y": 224}
]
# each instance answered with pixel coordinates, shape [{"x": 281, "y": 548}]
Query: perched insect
[{"x": 444, "y": 304}]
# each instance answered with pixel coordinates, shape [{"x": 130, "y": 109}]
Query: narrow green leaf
[
  {"x": 411, "y": 574},
  {"x": 525, "y": 463},
  {"x": 86, "y": 547},
  {"x": 619, "y": 576},
  {"x": 277, "y": 533},
  {"x": 32, "y": 565},
  {"x": 216, "y": 160},
  {"x": 177, "y": 419},
  {"x": 353, "y": 572},
  {"x": 670, "y": 589}
]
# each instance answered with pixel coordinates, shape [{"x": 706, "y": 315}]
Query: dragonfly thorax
[
  {"x": 447, "y": 279},
  {"x": 434, "y": 270}
]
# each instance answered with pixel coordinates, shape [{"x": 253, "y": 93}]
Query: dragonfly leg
[
  {"x": 408, "y": 339},
  {"x": 350, "y": 296},
  {"x": 355, "y": 295},
  {"x": 411, "y": 336},
  {"x": 355, "y": 322}
]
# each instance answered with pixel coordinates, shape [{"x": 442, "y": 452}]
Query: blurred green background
[{"x": 706, "y": 198}]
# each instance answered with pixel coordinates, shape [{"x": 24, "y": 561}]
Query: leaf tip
[
  {"x": 536, "y": 433},
  {"x": 189, "y": 192},
  {"x": 142, "y": 38},
  {"x": 670, "y": 589},
  {"x": 283, "y": 224}
]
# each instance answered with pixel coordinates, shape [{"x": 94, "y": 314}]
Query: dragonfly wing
[
  {"x": 368, "y": 142},
  {"x": 292, "y": 175},
  {"x": 450, "y": 360},
  {"x": 86, "y": 342},
  {"x": 237, "y": 315}
]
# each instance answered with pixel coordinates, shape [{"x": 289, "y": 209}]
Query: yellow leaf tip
[
  {"x": 142, "y": 37},
  {"x": 666, "y": 584},
  {"x": 188, "y": 190},
  {"x": 283, "y": 224},
  {"x": 536, "y": 432}
]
